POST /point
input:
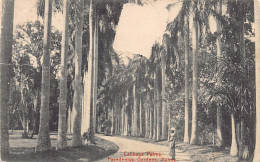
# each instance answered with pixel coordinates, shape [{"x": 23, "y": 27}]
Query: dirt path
[{"x": 137, "y": 151}]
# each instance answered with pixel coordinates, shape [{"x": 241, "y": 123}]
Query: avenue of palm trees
[{"x": 202, "y": 76}]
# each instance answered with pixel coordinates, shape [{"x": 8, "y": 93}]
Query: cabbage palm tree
[
  {"x": 87, "y": 116},
  {"x": 257, "y": 72},
  {"x": 195, "y": 47},
  {"x": 43, "y": 142},
  {"x": 76, "y": 137},
  {"x": 6, "y": 60},
  {"x": 62, "y": 127},
  {"x": 186, "y": 46},
  {"x": 219, "y": 53}
]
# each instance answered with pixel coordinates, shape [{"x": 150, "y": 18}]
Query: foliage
[{"x": 28, "y": 42}]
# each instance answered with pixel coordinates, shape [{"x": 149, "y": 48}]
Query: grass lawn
[
  {"x": 197, "y": 153},
  {"x": 24, "y": 149}
]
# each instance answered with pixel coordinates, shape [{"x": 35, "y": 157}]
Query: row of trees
[
  {"x": 49, "y": 70},
  {"x": 222, "y": 95},
  {"x": 145, "y": 97}
]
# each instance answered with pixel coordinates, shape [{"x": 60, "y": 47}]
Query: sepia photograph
[{"x": 130, "y": 80}]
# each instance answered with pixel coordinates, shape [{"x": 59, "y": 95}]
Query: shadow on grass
[{"x": 89, "y": 152}]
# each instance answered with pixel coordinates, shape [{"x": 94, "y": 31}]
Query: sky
[
  {"x": 140, "y": 27},
  {"x": 25, "y": 10}
]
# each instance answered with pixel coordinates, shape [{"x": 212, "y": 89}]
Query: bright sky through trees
[{"x": 141, "y": 26}]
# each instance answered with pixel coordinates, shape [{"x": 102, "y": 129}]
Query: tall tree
[
  {"x": 95, "y": 71},
  {"x": 6, "y": 35},
  {"x": 43, "y": 142},
  {"x": 195, "y": 47},
  {"x": 147, "y": 113},
  {"x": 186, "y": 52},
  {"x": 122, "y": 115},
  {"x": 219, "y": 140},
  {"x": 159, "y": 110},
  {"x": 257, "y": 72},
  {"x": 87, "y": 120},
  {"x": 125, "y": 113},
  {"x": 62, "y": 139},
  {"x": 141, "y": 117},
  {"x": 112, "y": 121},
  {"x": 76, "y": 137},
  {"x": 135, "y": 113},
  {"x": 155, "y": 107},
  {"x": 151, "y": 119},
  {"x": 243, "y": 53},
  {"x": 164, "y": 117}
]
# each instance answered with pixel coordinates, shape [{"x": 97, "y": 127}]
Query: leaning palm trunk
[
  {"x": 195, "y": 46},
  {"x": 219, "y": 139},
  {"x": 43, "y": 142},
  {"x": 6, "y": 35},
  {"x": 76, "y": 120},
  {"x": 257, "y": 72},
  {"x": 186, "y": 46},
  {"x": 62, "y": 139}
]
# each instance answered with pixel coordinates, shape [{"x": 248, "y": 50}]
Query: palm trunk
[
  {"x": 141, "y": 118},
  {"x": 87, "y": 121},
  {"x": 135, "y": 113},
  {"x": 164, "y": 118},
  {"x": 126, "y": 124},
  {"x": 24, "y": 124},
  {"x": 155, "y": 108},
  {"x": 23, "y": 108},
  {"x": 186, "y": 41},
  {"x": 257, "y": 72},
  {"x": 233, "y": 149},
  {"x": 242, "y": 138},
  {"x": 112, "y": 121},
  {"x": 159, "y": 110},
  {"x": 169, "y": 124},
  {"x": 43, "y": 143},
  {"x": 69, "y": 130},
  {"x": 219, "y": 138},
  {"x": 147, "y": 118},
  {"x": 122, "y": 117},
  {"x": 95, "y": 75},
  {"x": 6, "y": 35},
  {"x": 76, "y": 120},
  {"x": 62, "y": 127},
  {"x": 195, "y": 47},
  {"x": 84, "y": 113},
  {"x": 242, "y": 50},
  {"x": 125, "y": 114},
  {"x": 151, "y": 120},
  {"x": 119, "y": 116}
]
